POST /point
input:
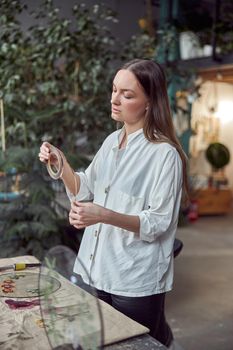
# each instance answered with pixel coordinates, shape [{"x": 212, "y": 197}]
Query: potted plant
[{"x": 218, "y": 156}]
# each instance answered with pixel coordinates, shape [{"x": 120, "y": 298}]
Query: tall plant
[{"x": 54, "y": 81}]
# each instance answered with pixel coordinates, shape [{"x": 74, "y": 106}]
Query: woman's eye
[{"x": 128, "y": 97}]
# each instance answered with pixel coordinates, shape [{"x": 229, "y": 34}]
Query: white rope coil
[{"x": 55, "y": 171}]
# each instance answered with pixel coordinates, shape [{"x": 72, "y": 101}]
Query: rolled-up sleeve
[
  {"x": 163, "y": 199},
  {"x": 87, "y": 181}
]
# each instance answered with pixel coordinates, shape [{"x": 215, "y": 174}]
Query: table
[
  {"x": 143, "y": 342},
  {"x": 213, "y": 201},
  {"x": 24, "y": 329}
]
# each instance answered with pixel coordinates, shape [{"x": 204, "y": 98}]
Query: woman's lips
[{"x": 114, "y": 110}]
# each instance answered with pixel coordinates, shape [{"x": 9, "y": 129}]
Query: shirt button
[
  {"x": 106, "y": 190},
  {"x": 91, "y": 256},
  {"x": 96, "y": 233}
]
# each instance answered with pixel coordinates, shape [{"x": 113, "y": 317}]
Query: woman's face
[{"x": 128, "y": 101}]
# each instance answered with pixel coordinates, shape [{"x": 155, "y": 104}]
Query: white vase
[{"x": 189, "y": 45}]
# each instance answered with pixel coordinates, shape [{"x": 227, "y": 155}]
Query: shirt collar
[{"x": 131, "y": 137}]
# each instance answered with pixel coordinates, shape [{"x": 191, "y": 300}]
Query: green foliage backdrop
[{"x": 55, "y": 81}]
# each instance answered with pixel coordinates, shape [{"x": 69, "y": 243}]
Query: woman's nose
[{"x": 115, "y": 99}]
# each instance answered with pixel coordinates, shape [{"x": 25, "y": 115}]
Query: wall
[
  {"x": 220, "y": 97},
  {"x": 128, "y": 12}
]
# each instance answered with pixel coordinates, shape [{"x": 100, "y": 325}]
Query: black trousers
[{"x": 148, "y": 310}]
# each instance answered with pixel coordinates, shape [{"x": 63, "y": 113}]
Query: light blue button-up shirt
[{"x": 144, "y": 179}]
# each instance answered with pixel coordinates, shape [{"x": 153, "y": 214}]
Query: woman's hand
[
  {"x": 85, "y": 214},
  {"x": 44, "y": 155}
]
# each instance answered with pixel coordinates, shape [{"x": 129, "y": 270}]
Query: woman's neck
[{"x": 131, "y": 128}]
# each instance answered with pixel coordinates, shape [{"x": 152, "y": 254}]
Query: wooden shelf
[{"x": 213, "y": 201}]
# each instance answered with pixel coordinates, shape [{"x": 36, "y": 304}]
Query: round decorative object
[
  {"x": 217, "y": 155},
  {"x": 72, "y": 316},
  {"x": 26, "y": 285}
]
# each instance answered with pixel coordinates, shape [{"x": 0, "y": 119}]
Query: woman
[{"x": 134, "y": 188}]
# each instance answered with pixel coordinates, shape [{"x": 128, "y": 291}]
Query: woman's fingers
[
  {"x": 45, "y": 147},
  {"x": 79, "y": 227},
  {"x": 44, "y": 152},
  {"x": 75, "y": 216},
  {"x": 76, "y": 220}
]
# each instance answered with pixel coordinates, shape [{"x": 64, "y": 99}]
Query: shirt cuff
[
  {"x": 145, "y": 232},
  {"x": 84, "y": 192}
]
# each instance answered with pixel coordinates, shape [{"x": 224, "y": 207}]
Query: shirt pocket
[{"x": 124, "y": 203}]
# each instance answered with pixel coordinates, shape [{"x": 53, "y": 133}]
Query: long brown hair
[{"x": 158, "y": 125}]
